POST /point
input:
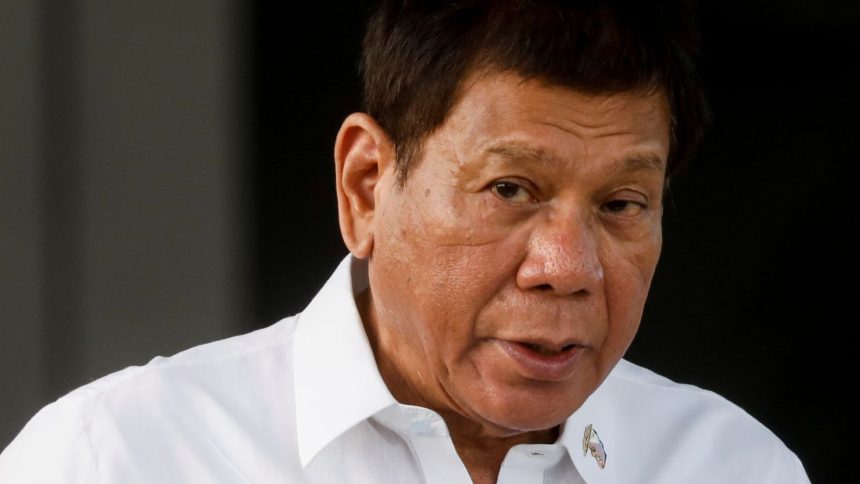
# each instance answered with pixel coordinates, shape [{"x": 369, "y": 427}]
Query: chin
[{"x": 527, "y": 410}]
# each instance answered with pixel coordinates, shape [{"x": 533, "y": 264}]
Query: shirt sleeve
[{"x": 52, "y": 448}]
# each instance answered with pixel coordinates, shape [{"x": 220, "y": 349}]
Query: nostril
[{"x": 544, "y": 287}]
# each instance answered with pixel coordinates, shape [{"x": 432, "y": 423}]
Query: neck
[
  {"x": 481, "y": 452},
  {"x": 482, "y": 448}
]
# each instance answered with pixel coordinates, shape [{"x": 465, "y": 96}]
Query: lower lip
[{"x": 538, "y": 366}]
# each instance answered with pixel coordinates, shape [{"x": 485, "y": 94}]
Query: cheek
[
  {"x": 449, "y": 264},
  {"x": 628, "y": 269},
  {"x": 631, "y": 259},
  {"x": 464, "y": 274}
]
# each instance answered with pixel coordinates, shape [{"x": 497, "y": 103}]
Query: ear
[{"x": 362, "y": 155}]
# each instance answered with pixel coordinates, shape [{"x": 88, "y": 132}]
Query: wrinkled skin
[{"x": 533, "y": 216}]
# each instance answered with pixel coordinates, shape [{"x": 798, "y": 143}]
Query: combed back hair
[{"x": 417, "y": 53}]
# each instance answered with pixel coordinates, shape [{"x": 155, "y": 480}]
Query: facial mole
[{"x": 427, "y": 192}]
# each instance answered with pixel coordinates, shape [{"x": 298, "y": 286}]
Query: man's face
[{"x": 509, "y": 275}]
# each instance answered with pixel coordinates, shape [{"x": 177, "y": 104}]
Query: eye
[
  {"x": 626, "y": 208},
  {"x": 512, "y": 192}
]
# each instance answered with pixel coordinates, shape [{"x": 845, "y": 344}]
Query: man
[{"x": 502, "y": 201}]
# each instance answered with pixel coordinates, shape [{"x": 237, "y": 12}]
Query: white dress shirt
[{"x": 302, "y": 401}]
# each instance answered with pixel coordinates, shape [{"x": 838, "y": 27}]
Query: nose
[{"x": 562, "y": 257}]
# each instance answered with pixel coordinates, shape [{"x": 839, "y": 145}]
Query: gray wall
[{"x": 121, "y": 189}]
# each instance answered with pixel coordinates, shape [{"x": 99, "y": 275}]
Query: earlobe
[{"x": 363, "y": 153}]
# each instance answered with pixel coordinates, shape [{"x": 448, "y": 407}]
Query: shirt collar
[{"x": 337, "y": 383}]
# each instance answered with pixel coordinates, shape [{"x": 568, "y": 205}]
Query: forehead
[{"x": 505, "y": 114}]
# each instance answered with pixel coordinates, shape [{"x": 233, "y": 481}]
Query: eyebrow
[
  {"x": 527, "y": 153},
  {"x": 634, "y": 162}
]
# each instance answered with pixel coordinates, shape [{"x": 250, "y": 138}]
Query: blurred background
[{"x": 166, "y": 179}]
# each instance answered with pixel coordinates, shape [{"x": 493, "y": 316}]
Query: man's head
[{"x": 509, "y": 269}]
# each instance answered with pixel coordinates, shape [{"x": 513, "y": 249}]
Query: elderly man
[{"x": 501, "y": 199}]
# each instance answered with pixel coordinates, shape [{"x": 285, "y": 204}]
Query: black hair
[{"x": 417, "y": 53}]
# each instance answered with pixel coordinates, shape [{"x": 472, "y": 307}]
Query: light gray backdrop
[{"x": 120, "y": 189}]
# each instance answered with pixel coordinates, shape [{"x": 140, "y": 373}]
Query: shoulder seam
[{"x": 98, "y": 391}]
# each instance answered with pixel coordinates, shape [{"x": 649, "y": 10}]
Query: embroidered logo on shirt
[{"x": 591, "y": 442}]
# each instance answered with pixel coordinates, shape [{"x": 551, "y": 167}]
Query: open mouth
[
  {"x": 546, "y": 362},
  {"x": 543, "y": 350}
]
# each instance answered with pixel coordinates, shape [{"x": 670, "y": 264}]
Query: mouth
[
  {"x": 546, "y": 350},
  {"x": 541, "y": 361}
]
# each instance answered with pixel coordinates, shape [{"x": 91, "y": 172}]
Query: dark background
[{"x": 753, "y": 297}]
